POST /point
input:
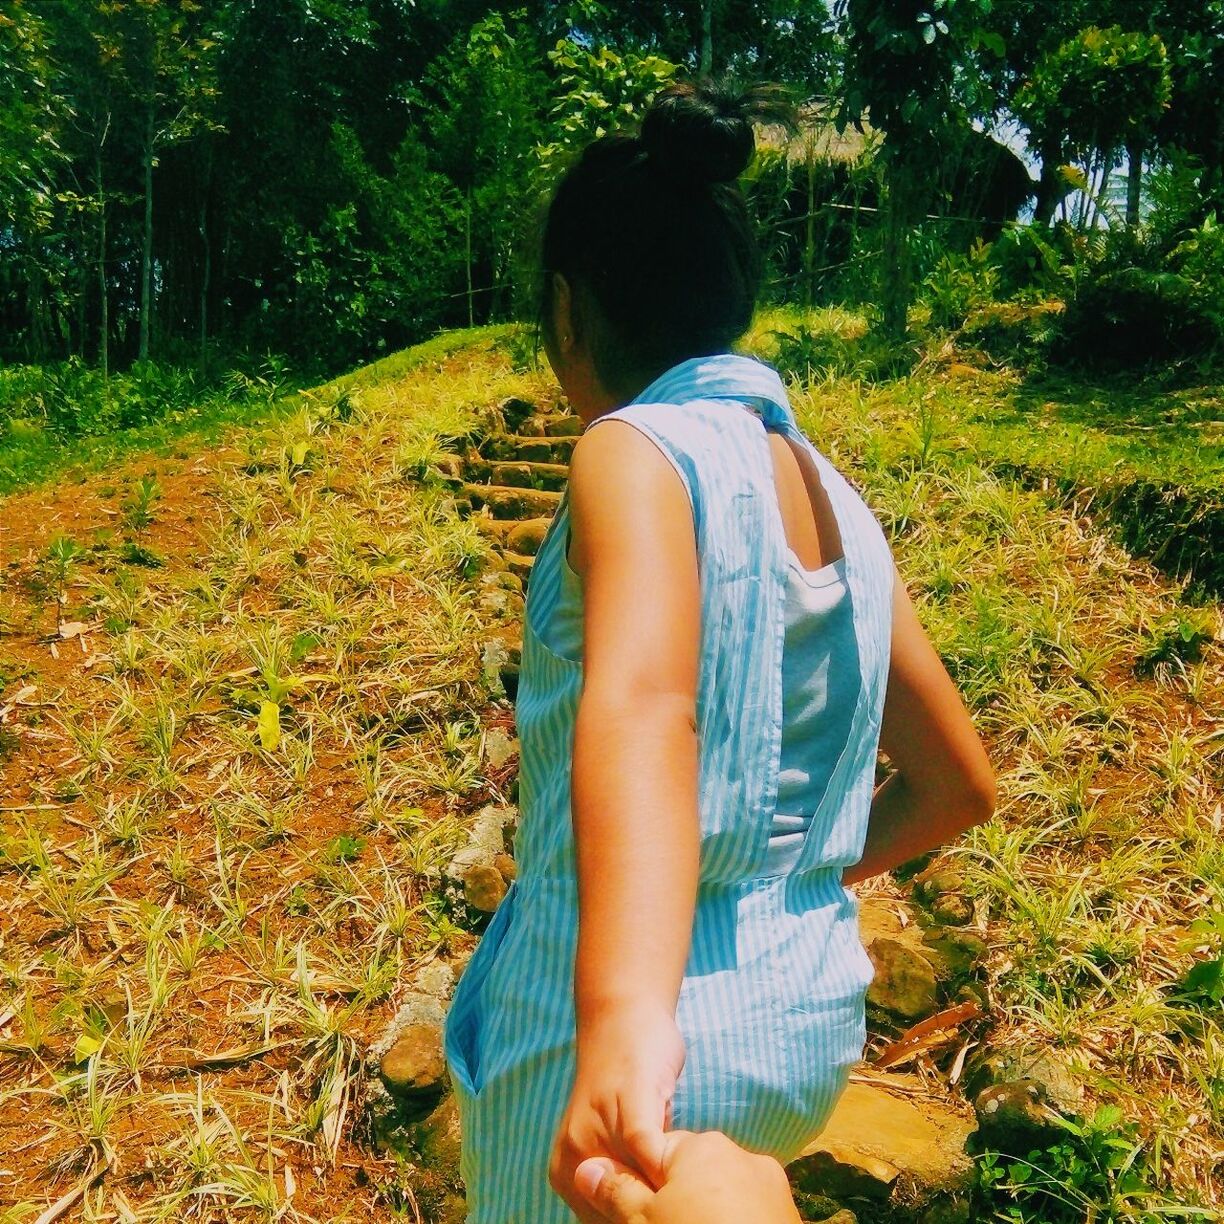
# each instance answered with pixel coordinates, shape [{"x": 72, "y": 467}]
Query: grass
[
  {"x": 31, "y": 456},
  {"x": 1145, "y": 458},
  {"x": 227, "y": 800}
]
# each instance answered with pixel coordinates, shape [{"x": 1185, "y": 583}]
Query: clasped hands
[{"x": 615, "y": 1157}]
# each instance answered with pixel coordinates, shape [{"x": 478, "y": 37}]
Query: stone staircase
[{"x": 898, "y": 1147}]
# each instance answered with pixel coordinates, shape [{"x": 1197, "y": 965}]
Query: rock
[
  {"x": 499, "y": 747},
  {"x": 1014, "y": 1117},
  {"x": 549, "y": 475},
  {"x": 514, "y": 411},
  {"x": 520, "y": 448},
  {"x": 450, "y": 467},
  {"x": 1056, "y": 1078},
  {"x": 904, "y": 982},
  {"x": 507, "y": 867},
  {"x": 414, "y": 1066},
  {"x": 936, "y": 879},
  {"x": 956, "y": 952},
  {"x": 494, "y": 660},
  {"x": 476, "y": 469},
  {"x": 459, "y": 962},
  {"x": 526, "y": 537},
  {"x": 498, "y": 529},
  {"x": 881, "y": 1147},
  {"x": 953, "y": 909},
  {"x": 557, "y": 425},
  {"x": 484, "y": 888},
  {"x": 436, "y": 1139},
  {"x": 500, "y": 604},
  {"x": 841, "y": 1172},
  {"x": 502, "y": 579},
  {"x": 519, "y": 564},
  {"x": 489, "y": 835},
  {"x": 841, "y": 1217},
  {"x": 505, "y": 502},
  {"x": 517, "y": 475},
  {"x": 532, "y": 427}
]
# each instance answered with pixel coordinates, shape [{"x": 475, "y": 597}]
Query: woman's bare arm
[
  {"x": 634, "y": 784},
  {"x": 943, "y": 782}
]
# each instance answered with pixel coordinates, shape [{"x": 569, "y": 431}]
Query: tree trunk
[
  {"x": 707, "y": 38},
  {"x": 809, "y": 237},
  {"x": 146, "y": 254},
  {"x": 468, "y": 260},
  {"x": 103, "y": 320},
  {"x": 1134, "y": 181},
  {"x": 206, "y": 271},
  {"x": 1050, "y": 187},
  {"x": 895, "y": 286}
]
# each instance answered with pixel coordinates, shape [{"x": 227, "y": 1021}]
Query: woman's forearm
[
  {"x": 905, "y": 824},
  {"x": 634, "y": 801}
]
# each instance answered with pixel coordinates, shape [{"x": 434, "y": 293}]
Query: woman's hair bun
[{"x": 702, "y": 131}]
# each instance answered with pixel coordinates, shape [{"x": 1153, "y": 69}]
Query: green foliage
[
  {"x": 1179, "y": 641},
  {"x": 1099, "y": 1171},
  {"x": 596, "y": 92},
  {"x": 808, "y": 354},
  {"x": 959, "y": 284},
  {"x": 1133, "y": 317},
  {"x": 72, "y": 399},
  {"x": 1025, "y": 259},
  {"x": 1203, "y": 983},
  {"x": 1097, "y": 91}
]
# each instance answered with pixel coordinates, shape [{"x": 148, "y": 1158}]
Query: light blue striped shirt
[{"x": 771, "y": 1007}]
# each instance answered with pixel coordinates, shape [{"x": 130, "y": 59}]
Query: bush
[
  {"x": 71, "y": 399},
  {"x": 1134, "y": 317},
  {"x": 806, "y": 354},
  {"x": 1024, "y": 258},
  {"x": 959, "y": 284}
]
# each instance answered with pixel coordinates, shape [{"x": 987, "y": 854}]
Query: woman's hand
[
  {"x": 628, "y": 1063},
  {"x": 707, "y": 1179}
]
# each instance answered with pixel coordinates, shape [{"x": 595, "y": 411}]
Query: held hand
[
  {"x": 628, "y": 1063},
  {"x": 707, "y": 1179}
]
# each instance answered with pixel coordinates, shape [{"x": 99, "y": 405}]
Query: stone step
[
  {"x": 519, "y": 537},
  {"x": 890, "y": 1147},
  {"x": 526, "y": 536},
  {"x": 553, "y": 425},
  {"x": 519, "y": 564},
  {"x": 528, "y": 475},
  {"x": 520, "y": 448},
  {"x": 507, "y": 502}
]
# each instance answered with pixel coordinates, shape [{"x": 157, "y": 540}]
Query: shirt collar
[{"x": 721, "y": 376}]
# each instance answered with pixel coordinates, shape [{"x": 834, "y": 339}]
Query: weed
[
  {"x": 1180, "y": 640},
  {"x": 138, "y": 506}
]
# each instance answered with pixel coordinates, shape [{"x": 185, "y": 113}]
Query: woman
[{"x": 716, "y": 642}]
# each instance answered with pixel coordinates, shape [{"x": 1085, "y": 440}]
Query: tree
[
  {"x": 1096, "y": 93},
  {"x": 891, "y": 45},
  {"x": 486, "y": 95},
  {"x": 32, "y": 115},
  {"x": 165, "y": 51}
]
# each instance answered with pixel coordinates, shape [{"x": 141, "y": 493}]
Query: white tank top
[{"x": 820, "y": 683}]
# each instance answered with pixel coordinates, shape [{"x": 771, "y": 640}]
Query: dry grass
[{"x": 226, "y": 800}]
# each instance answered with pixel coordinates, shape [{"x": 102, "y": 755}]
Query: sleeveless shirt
[
  {"x": 819, "y": 684},
  {"x": 771, "y": 1005}
]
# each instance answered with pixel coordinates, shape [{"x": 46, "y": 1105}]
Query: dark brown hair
[{"x": 655, "y": 236}]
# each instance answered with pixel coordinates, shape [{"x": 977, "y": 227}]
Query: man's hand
[
  {"x": 628, "y": 1065},
  {"x": 707, "y": 1179}
]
